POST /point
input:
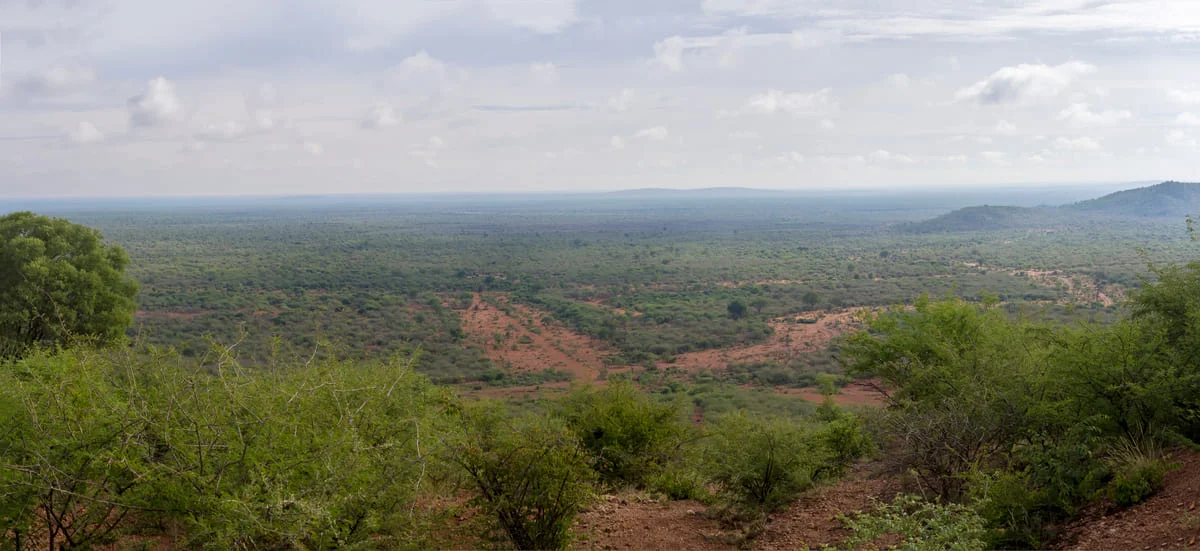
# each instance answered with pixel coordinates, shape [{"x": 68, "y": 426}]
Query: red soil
[{"x": 790, "y": 338}]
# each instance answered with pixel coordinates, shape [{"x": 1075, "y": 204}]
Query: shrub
[
  {"x": 761, "y": 463},
  {"x": 628, "y": 434},
  {"x": 1134, "y": 482},
  {"x": 924, "y": 526},
  {"x": 532, "y": 475}
]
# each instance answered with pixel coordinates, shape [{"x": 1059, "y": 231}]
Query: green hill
[{"x": 1168, "y": 199}]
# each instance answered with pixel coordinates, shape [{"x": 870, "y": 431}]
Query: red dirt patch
[
  {"x": 518, "y": 338},
  {"x": 625, "y": 522},
  {"x": 1170, "y": 519},
  {"x": 789, "y": 339},
  {"x": 854, "y": 394},
  {"x": 812, "y": 519}
]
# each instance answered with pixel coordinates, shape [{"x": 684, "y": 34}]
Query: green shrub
[
  {"x": 629, "y": 435},
  {"x": 761, "y": 463},
  {"x": 924, "y": 526},
  {"x": 532, "y": 475},
  {"x": 678, "y": 482},
  {"x": 1134, "y": 482}
]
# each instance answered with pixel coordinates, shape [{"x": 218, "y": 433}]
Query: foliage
[
  {"x": 318, "y": 456},
  {"x": 532, "y": 475},
  {"x": 762, "y": 463},
  {"x": 58, "y": 282},
  {"x": 922, "y": 525},
  {"x": 629, "y": 435}
]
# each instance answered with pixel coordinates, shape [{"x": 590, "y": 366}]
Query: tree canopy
[{"x": 59, "y": 281}]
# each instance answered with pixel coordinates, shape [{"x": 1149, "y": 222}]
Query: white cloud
[
  {"x": 669, "y": 53},
  {"x": 898, "y": 80},
  {"x": 656, "y": 133},
  {"x": 54, "y": 81},
  {"x": 814, "y": 104},
  {"x": 1081, "y": 113},
  {"x": 545, "y": 73},
  {"x": 539, "y": 16},
  {"x": 1186, "y": 97},
  {"x": 1188, "y": 119},
  {"x": 1082, "y": 143},
  {"x": 617, "y": 142},
  {"x": 227, "y": 132},
  {"x": 313, "y": 148},
  {"x": 884, "y": 156},
  {"x": 261, "y": 107},
  {"x": 420, "y": 73},
  {"x": 1006, "y": 128},
  {"x": 828, "y": 124},
  {"x": 744, "y": 135},
  {"x": 382, "y": 115},
  {"x": 85, "y": 133},
  {"x": 156, "y": 106},
  {"x": 994, "y": 156},
  {"x": 623, "y": 100},
  {"x": 1179, "y": 138},
  {"x": 1024, "y": 83}
]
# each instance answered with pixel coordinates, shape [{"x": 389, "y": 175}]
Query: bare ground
[{"x": 790, "y": 339}]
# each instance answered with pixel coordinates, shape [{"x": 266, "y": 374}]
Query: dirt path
[
  {"x": 812, "y": 520},
  {"x": 1170, "y": 519},
  {"x": 790, "y": 338},
  {"x": 517, "y": 339}
]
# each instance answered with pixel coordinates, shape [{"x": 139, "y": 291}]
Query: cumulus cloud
[
  {"x": 382, "y": 115},
  {"x": 617, "y": 142},
  {"x": 1186, "y": 97},
  {"x": 656, "y": 133},
  {"x": 85, "y": 133},
  {"x": 898, "y": 80},
  {"x": 1082, "y": 143},
  {"x": 54, "y": 82},
  {"x": 420, "y": 73},
  {"x": 1082, "y": 113},
  {"x": 156, "y": 106},
  {"x": 1005, "y": 127},
  {"x": 1179, "y": 138},
  {"x": 669, "y": 53},
  {"x": 994, "y": 156},
  {"x": 814, "y": 104},
  {"x": 1024, "y": 83}
]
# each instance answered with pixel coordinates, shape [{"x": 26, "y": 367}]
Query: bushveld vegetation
[{"x": 299, "y": 384}]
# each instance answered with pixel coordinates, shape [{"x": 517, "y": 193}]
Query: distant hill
[{"x": 1169, "y": 200}]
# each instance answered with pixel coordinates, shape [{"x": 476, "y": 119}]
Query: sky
[{"x": 220, "y": 97}]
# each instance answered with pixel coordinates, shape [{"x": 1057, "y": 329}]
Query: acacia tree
[{"x": 59, "y": 281}]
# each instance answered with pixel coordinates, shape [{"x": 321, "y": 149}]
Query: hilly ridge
[{"x": 1168, "y": 200}]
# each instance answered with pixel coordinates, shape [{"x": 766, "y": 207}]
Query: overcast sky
[{"x": 148, "y": 97}]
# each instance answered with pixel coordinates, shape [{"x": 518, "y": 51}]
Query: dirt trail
[
  {"x": 790, "y": 338},
  {"x": 519, "y": 339},
  {"x": 1170, "y": 519}
]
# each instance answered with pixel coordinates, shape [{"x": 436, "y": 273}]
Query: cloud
[
  {"x": 85, "y": 133},
  {"x": 1186, "y": 97},
  {"x": 545, "y": 73},
  {"x": 657, "y": 134},
  {"x": 622, "y": 100},
  {"x": 1081, "y": 113},
  {"x": 1006, "y": 128},
  {"x": 814, "y": 104},
  {"x": 261, "y": 105},
  {"x": 55, "y": 81},
  {"x": 1179, "y": 138},
  {"x": 420, "y": 73},
  {"x": 156, "y": 106},
  {"x": 617, "y": 142},
  {"x": 669, "y": 53},
  {"x": 227, "y": 132},
  {"x": 994, "y": 156},
  {"x": 1024, "y": 83},
  {"x": 898, "y": 80},
  {"x": 884, "y": 156},
  {"x": 382, "y": 115},
  {"x": 1082, "y": 143},
  {"x": 539, "y": 16},
  {"x": 313, "y": 148},
  {"x": 1188, "y": 119}
]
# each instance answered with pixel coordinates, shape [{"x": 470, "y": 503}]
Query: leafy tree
[
  {"x": 758, "y": 304},
  {"x": 762, "y": 463},
  {"x": 59, "y": 281},
  {"x": 810, "y": 299},
  {"x": 736, "y": 308}
]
